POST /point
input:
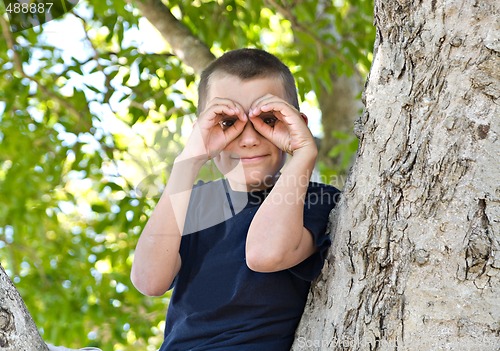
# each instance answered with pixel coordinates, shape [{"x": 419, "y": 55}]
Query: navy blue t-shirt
[{"x": 218, "y": 303}]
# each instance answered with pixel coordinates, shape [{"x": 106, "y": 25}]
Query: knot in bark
[{"x": 6, "y": 320}]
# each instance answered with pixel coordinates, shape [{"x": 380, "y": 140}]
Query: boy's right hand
[{"x": 219, "y": 124}]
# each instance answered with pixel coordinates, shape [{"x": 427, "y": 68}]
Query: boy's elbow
[
  {"x": 266, "y": 257},
  {"x": 264, "y": 262},
  {"x": 146, "y": 286}
]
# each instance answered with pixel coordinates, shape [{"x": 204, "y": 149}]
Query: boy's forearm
[
  {"x": 156, "y": 259},
  {"x": 278, "y": 227}
]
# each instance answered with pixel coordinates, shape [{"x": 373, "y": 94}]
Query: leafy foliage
[{"x": 87, "y": 134}]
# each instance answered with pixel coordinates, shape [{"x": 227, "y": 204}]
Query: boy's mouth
[{"x": 250, "y": 159}]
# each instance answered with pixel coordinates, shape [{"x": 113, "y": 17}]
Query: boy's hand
[
  {"x": 282, "y": 124},
  {"x": 219, "y": 124}
]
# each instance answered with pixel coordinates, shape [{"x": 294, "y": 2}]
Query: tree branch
[
  {"x": 190, "y": 49},
  {"x": 107, "y": 79},
  {"x": 17, "y": 329}
]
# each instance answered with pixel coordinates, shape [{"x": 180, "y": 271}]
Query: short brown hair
[{"x": 247, "y": 64}]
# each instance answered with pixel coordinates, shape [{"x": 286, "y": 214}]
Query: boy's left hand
[{"x": 282, "y": 124}]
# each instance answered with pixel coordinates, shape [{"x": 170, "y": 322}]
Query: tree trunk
[
  {"x": 415, "y": 260},
  {"x": 17, "y": 329}
]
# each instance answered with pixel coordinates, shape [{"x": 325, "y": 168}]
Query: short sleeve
[{"x": 319, "y": 202}]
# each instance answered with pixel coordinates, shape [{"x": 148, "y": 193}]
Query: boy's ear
[{"x": 304, "y": 117}]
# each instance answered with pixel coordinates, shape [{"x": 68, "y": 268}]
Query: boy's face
[{"x": 249, "y": 162}]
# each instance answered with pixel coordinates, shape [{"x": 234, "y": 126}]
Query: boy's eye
[
  {"x": 269, "y": 120},
  {"x": 227, "y": 122}
]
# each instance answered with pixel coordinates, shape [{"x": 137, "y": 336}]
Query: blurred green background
[{"x": 95, "y": 106}]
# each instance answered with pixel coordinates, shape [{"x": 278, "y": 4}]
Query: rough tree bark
[
  {"x": 415, "y": 261},
  {"x": 17, "y": 329}
]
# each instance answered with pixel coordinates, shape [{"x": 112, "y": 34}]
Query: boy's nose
[{"x": 249, "y": 137}]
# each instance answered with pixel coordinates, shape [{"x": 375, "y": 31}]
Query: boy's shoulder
[
  {"x": 209, "y": 194},
  {"x": 212, "y": 183},
  {"x": 207, "y": 188},
  {"x": 207, "y": 206}
]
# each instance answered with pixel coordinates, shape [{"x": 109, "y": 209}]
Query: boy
[{"x": 240, "y": 252}]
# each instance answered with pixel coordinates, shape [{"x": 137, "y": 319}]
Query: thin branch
[
  {"x": 185, "y": 45},
  {"x": 18, "y": 65},
  {"x": 96, "y": 57}
]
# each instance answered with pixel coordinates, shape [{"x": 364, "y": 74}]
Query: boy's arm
[
  {"x": 156, "y": 259},
  {"x": 277, "y": 238}
]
